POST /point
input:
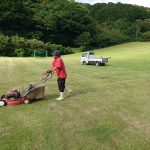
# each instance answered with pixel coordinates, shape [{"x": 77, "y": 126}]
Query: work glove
[{"x": 49, "y": 71}]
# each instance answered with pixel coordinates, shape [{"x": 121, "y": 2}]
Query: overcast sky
[{"x": 145, "y": 3}]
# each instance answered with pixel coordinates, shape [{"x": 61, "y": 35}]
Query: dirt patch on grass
[
  {"x": 136, "y": 123},
  {"x": 5, "y": 132}
]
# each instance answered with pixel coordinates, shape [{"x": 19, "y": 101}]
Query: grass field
[{"x": 109, "y": 108}]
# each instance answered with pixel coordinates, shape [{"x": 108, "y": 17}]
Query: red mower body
[
  {"x": 7, "y": 102},
  {"x": 32, "y": 92}
]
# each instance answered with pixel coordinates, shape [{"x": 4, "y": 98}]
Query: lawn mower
[{"x": 31, "y": 92}]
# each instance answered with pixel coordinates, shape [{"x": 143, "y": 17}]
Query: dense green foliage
[
  {"x": 70, "y": 24},
  {"x": 19, "y": 46}
]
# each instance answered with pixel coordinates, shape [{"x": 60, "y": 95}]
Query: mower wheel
[
  {"x": 2, "y": 103},
  {"x": 26, "y": 101}
]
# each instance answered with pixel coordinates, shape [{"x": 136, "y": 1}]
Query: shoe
[
  {"x": 61, "y": 96},
  {"x": 67, "y": 91}
]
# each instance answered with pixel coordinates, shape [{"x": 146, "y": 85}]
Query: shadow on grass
[
  {"x": 92, "y": 65},
  {"x": 71, "y": 96}
]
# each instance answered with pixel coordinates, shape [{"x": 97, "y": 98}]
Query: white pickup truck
[{"x": 90, "y": 58}]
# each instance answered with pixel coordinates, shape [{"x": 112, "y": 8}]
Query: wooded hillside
[{"x": 44, "y": 24}]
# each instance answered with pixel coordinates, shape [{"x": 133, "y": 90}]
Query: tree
[
  {"x": 83, "y": 39},
  {"x": 110, "y": 36},
  {"x": 146, "y": 36},
  {"x": 46, "y": 17},
  {"x": 18, "y": 42},
  {"x": 144, "y": 24},
  {"x": 4, "y": 45},
  {"x": 111, "y": 12},
  {"x": 12, "y": 11},
  {"x": 122, "y": 24},
  {"x": 64, "y": 19},
  {"x": 35, "y": 44}
]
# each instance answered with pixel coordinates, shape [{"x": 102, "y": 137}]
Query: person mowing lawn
[{"x": 58, "y": 67}]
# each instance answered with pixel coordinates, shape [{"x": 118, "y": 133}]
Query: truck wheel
[
  {"x": 2, "y": 103},
  {"x": 84, "y": 63},
  {"x": 97, "y": 64},
  {"x": 103, "y": 64}
]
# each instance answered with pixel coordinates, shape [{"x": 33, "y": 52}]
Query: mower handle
[{"x": 31, "y": 86}]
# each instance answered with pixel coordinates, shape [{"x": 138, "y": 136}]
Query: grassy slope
[{"x": 109, "y": 108}]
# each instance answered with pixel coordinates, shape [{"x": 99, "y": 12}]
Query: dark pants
[{"x": 61, "y": 84}]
